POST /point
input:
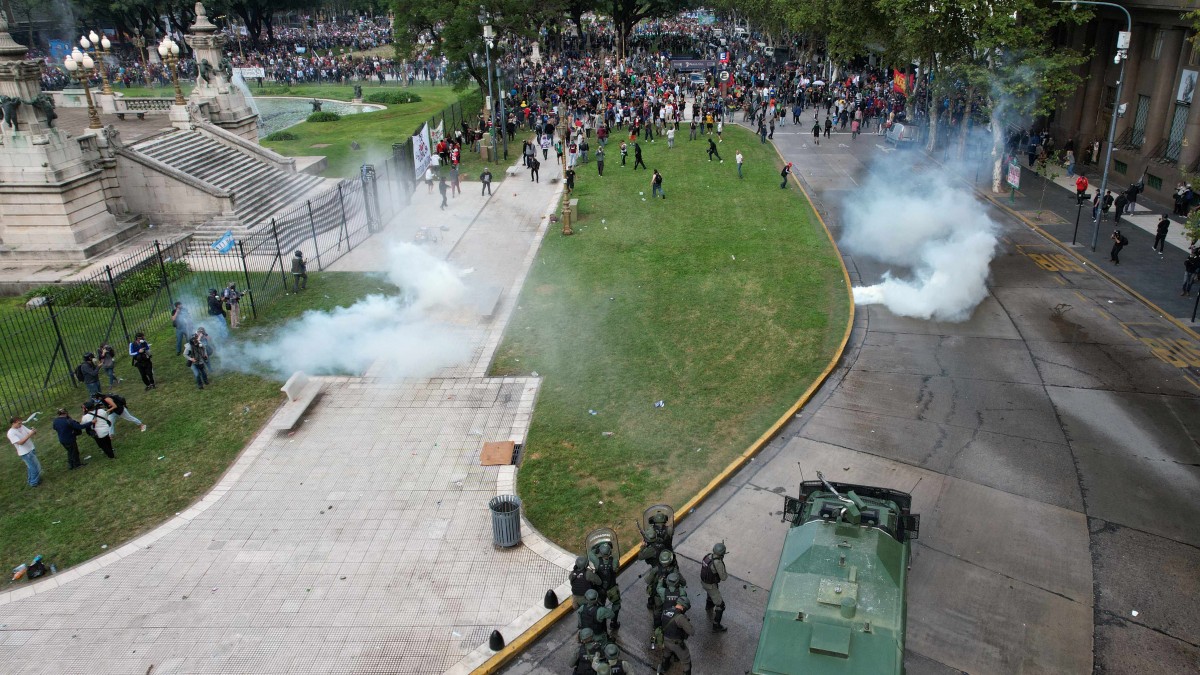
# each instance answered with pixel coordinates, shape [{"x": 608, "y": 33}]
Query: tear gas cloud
[
  {"x": 410, "y": 335},
  {"x": 924, "y": 220}
]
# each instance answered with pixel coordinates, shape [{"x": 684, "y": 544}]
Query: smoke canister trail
[
  {"x": 411, "y": 335},
  {"x": 923, "y": 221}
]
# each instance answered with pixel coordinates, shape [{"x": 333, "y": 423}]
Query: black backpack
[
  {"x": 708, "y": 575},
  {"x": 119, "y": 400},
  {"x": 79, "y": 372}
]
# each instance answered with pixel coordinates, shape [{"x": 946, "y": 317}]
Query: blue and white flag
[{"x": 225, "y": 243}]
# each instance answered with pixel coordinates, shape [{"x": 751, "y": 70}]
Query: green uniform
[
  {"x": 606, "y": 572},
  {"x": 676, "y": 630},
  {"x": 714, "y": 590}
]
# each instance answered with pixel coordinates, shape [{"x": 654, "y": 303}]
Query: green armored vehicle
[{"x": 837, "y": 604}]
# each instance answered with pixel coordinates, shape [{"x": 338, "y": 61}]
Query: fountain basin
[{"x": 276, "y": 113}]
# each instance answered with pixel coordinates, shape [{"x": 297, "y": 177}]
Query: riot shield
[
  {"x": 648, "y": 527},
  {"x": 591, "y": 544}
]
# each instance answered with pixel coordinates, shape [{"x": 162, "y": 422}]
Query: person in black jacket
[
  {"x": 1160, "y": 233},
  {"x": 68, "y": 431}
]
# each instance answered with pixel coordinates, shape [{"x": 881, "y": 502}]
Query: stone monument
[
  {"x": 214, "y": 96},
  {"x": 59, "y": 196}
]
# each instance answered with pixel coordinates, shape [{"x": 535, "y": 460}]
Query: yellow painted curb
[
  {"x": 522, "y": 641},
  {"x": 1091, "y": 265}
]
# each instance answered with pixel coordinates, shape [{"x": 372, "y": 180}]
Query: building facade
[{"x": 1158, "y": 135}]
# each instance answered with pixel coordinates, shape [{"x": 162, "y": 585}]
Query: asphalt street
[{"x": 1050, "y": 443}]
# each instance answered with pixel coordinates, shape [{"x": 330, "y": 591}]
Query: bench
[
  {"x": 140, "y": 116},
  {"x": 301, "y": 390}
]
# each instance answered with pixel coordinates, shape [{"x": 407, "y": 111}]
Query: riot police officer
[
  {"x": 606, "y": 571},
  {"x": 657, "y": 540},
  {"x": 676, "y": 630},
  {"x": 610, "y": 656},
  {"x": 588, "y": 649},
  {"x": 582, "y": 580},
  {"x": 712, "y": 573},
  {"x": 588, "y": 619},
  {"x": 666, "y": 565},
  {"x": 670, "y": 589}
]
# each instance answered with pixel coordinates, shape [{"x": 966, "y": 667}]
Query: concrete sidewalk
[
  {"x": 1155, "y": 276},
  {"x": 360, "y": 543}
]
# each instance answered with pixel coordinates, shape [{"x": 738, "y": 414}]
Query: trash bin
[{"x": 506, "y": 520}]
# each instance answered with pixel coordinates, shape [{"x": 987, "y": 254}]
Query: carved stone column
[{"x": 225, "y": 105}]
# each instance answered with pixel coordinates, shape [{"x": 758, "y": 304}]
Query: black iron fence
[{"x": 46, "y": 339}]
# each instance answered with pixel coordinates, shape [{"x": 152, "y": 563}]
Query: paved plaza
[{"x": 361, "y": 543}]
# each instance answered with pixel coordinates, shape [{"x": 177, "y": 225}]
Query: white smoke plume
[
  {"x": 411, "y": 335},
  {"x": 929, "y": 223}
]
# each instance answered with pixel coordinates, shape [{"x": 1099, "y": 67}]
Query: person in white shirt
[
  {"x": 98, "y": 423},
  {"x": 21, "y": 437}
]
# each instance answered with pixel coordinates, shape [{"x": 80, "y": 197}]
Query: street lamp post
[
  {"x": 78, "y": 64},
  {"x": 503, "y": 113},
  {"x": 101, "y": 46},
  {"x": 169, "y": 51},
  {"x": 1121, "y": 57},
  {"x": 488, "y": 38}
]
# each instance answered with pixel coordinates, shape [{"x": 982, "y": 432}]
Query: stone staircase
[{"x": 260, "y": 188}]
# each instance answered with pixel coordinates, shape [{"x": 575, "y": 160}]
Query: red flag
[{"x": 899, "y": 82}]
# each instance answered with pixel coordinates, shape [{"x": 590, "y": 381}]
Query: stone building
[{"x": 1158, "y": 136}]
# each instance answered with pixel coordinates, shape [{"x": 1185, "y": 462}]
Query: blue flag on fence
[{"x": 225, "y": 243}]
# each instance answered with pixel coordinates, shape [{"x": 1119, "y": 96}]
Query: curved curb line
[
  {"x": 522, "y": 641},
  {"x": 225, "y": 482},
  {"x": 1091, "y": 265}
]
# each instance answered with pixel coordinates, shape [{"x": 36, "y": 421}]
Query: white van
[{"x": 901, "y": 134}]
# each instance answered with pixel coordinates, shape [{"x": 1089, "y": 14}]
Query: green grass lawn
[
  {"x": 374, "y": 132},
  {"x": 74, "y": 513},
  {"x": 725, "y": 301}
]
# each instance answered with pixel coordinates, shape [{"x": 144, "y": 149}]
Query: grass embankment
[
  {"x": 724, "y": 301},
  {"x": 74, "y": 513},
  {"x": 374, "y": 132}
]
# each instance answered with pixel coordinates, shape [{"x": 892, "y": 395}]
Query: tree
[
  {"x": 457, "y": 32},
  {"x": 627, "y": 13}
]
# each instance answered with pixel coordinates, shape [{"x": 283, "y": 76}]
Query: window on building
[
  {"x": 1193, "y": 56},
  {"x": 1175, "y": 138},
  {"x": 1139, "y": 121},
  {"x": 1160, "y": 36},
  {"x": 1120, "y": 166},
  {"x": 1153, "y": 181}
]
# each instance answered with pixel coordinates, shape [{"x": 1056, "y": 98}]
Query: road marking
[
  {"x": 885, "y": 149},
  {"x": 1051, "y": 262},
  {"x": 1193, "y": 382},
  {"x": 1181, "y": 352}
]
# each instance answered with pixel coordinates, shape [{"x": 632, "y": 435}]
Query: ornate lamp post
[
  {"x": 101, "y": 46},
  {"x": 78, "y": 65},
  {"x": 489, "y": 41},
  {"x": 140, "y": 42},
  {"x": 169, "y": 51}
]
